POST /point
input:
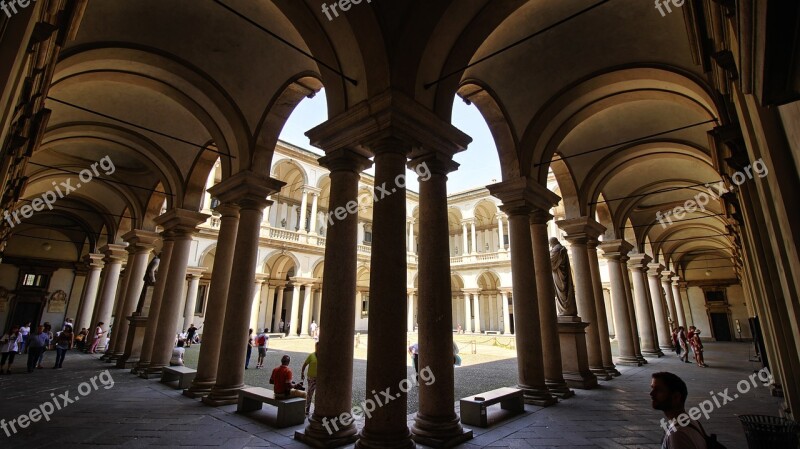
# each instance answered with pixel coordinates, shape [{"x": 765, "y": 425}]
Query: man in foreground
[{"x": 668, "y": 394}]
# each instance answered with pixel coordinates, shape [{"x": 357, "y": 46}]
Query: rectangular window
[
  {"x": 364, "y": 305},
  {"x": 200, "y": 305},
  {"x": 29, "y": 280}
]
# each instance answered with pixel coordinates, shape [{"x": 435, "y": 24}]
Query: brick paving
[{"x": 139, "y": 413}]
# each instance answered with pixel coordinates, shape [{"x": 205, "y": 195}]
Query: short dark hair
[
  {"x": 674, "y": 383},
  {"x": 285, "y": 360}
]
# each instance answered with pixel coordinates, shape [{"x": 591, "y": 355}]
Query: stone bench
[
  {"x": 182, "y": 374},
  {"x": 291, "y": 412},
  {"x": 473, "y": 410},
  {"x": 491, "y": 332},
  {"x": 276, "y": 335}
]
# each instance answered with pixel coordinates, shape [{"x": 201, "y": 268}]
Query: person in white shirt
[
  {"x": 177, "y": 355},
  {"x": 668, "y": 393},
  {"x": 9, "y": 346},
  {"x": 24, "y": 332}
]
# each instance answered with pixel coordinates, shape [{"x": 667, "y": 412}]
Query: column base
[
  {"x": 537, "y": 396},
  {"x": 653, "y": 353},
  {"x": 223, "y": 396},
  {"x": 126, "y": 363},
  {"x": 317, "y": 433},
  {"x": 199, "y": 389},
  {"x": 113, "y": 357},
  {"x": 439, "y": 433},
  {"x": 559, "y": 388},
  {"x": 151, "y": 372},
  {"x": 641, "y": 359},
  {"x": 581, "y": 381},
  {"x": 626, "y": 360},
  {"x": 612, "y": 370},
  {"x": 667, "y": 349},
  {"x": 601, "y": 373}
]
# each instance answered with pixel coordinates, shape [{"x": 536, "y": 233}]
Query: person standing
[
  {"x": 48, "y": 329},
  {"x": 280, "y": 325},
  {"x": 261, "y": 343},
  {"x": 668, "y": 393},
  {"x": 25, "y": 332},
  {"x": 684, "y": 343},
  {"x": 414, "y": 351},
  {"x": 190, "y": 335},
  {"x": 64, "y": 343},
  {"x": 10, "y": 344},
  {"x": 37, "y": 343},
  {"x": 697, "y": 347},
  {"x": 311, "y": 363},
  {"x": 98, "y": 334},
  {"x": 249, "y": 348},
  {"x": 313, "y": 328}
]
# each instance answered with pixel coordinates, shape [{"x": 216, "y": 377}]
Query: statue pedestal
[
  {"x": 574, "y": 356},
  {"x": 133, "y": 345}
]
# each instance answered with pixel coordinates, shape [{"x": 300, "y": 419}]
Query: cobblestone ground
[{"x": 139, "y": 413}]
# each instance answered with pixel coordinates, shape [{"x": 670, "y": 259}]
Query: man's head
[
  {"x": 285, "y": 359},
  {"x": 266, "y": 330},
  {"x": 553, "y": 242},
  {"x": 667, "y": 392},
  {"x": 180, "y": 343}
]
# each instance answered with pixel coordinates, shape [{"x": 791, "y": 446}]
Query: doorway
[
  {"x": 26, "y": 310},
  {"x": 721, "y": 327}
]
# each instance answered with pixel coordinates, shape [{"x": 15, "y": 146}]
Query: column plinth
[
  {"x": 206, "y": 375},
  {"x": 574, "y": 356}
]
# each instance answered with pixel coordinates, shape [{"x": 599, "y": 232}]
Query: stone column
[
  {"x": 506, "y": 313},
  {"x": 467, "y": 314},
  {"x": 122, "y": 288},
  {"x": 516, "y": 196},
  {"x": 217, "y": 299},
  {"x": 501, "y": 235},
  {"x": 270, "y": 303},
  {"x": 551, "y": 345},
  {"x": 474, "y": 237},
  {"x": 312, "y": 227},
  {"x": 660, "y": 313},
  {"x": 115, "y": 255},
  {"x": 436, "y": 422},
  {"x": 293, "y": 318},
  {"x": 579, "y": 231},
  {"x": 410, "y": 323},
  {"x": 250, "y": 191},
  {"x": 303, "y": 208},
  {"x": 386, "y": 367},
  {"x": 666, "y": 292},
  {"x": 194, "y": 274},
  {"x": 335, "y": 355},
  {"x": 600, "y": 308},
  {"x": 182, "y": 223},
  {"x": 465, "y": 243},
  {"x": 306, "y": 310},
  {"x": 155, "y": 304},
  {"x": 276, "y": 319},
  {"x": 636, "y": 263},
  {"x": 256, "y": 304},
  {"x": 626, "y": 280},
  {"x": 676, "y": 294},
  {"x": 476, "y": 310},
  {"x": 95, "y": 263},
  {"x": 140, "y": 244},
  {"x": 613, "y": 251}
]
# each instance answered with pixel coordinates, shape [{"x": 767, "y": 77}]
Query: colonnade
[{"x": 466, "y": 243}]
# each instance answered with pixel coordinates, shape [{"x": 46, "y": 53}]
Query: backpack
[
  {"x": 711, "y": 440},
  {"x": 261, "y": 340}
]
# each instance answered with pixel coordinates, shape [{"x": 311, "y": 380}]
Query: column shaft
[
  {"x": 584, "y": 298},
  {"x": 306, "y": 311},
  {"x": 293, "y": 317},
  {"x": 115, "y": 254},
  {"x": 140, "y": 246},
  {"x": 626, "y": 280},
  {"x": 467, "y": 314},
  {"x": 155, "y": 302},
  {"x": 476, "y": 310},
  {"x": 506, "y": 314},
  {"x": 600, "y": 308},
  {"x": 649, "y": 345},
  {"x": 276, "y": 319},
  {"x": 84, "y": 318},
  {"x": 622, "y": 318},
  {"x": 660, "y": 313},
  {"x": 676, "y": 294},
  {"x": 191, "y": 300}
]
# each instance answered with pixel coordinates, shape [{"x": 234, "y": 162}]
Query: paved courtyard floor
[{"x": 140, "y": 413}]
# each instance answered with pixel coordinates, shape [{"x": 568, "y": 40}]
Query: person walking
[
  {"x": 25, "y": 331},
  {"x": 249, "y": 348},
  {"x": 697, "y": 347},
  {"x": 64, "y": 343},
  {"x": 37, "y": 343},
  {"x": 261, "y": 343},
  {"x": 311, "y": 363},
  {"x": 98, "y": 334},
  {"x": 48, "y": 329},
  {"x": 10, "y": 344},
  {"x": 684, "y": 343},
  {"x": 313, "y": 328}
]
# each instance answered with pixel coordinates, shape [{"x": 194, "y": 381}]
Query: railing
[
  {"x": 366, "y": 249},
  {"x": 282, "y": 234}
]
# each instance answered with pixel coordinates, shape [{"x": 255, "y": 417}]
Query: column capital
[
  {"x": 638, "y": 261},
  {"x": 614, "y": 249},
  {"x": 180, "y": 221},
  {"x": 582, "y": 229},
  {"x": 521, "y": 195},
  {"x": 389, "y": 114},
  {"x": 247, "y": 189},
  {"x": 279, "y": 284},
  {"x": 299, "y": 281},
  {"x": 471, "y": 290},
  {"x": 94, "y": 260},
  {"x": 666, "y": 275},
  {"x": 655, "y": 269},
  {"x": 436, "y": 163},
  {"x": 140, "y": 240},
  {"x": 344, "y": 160},
  {"x": 539, "y": 216},
  {"x": 227, "y": 210},
  {"x": 411, "y": 291},
  {"x": 114, "y": 253},
  {"x": 676, "y": 280},
  {"x": 195, "y": 272}
]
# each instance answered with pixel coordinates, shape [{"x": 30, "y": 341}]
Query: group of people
[
  {"x": 284, "y": 328},
  {"x": 683, "y": 340},
  {"x": 35, "y": 342}
]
